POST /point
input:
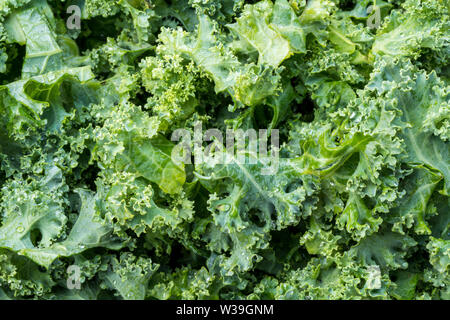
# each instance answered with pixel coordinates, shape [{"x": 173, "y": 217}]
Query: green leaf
[
  {"x": 129, "y": 276},
  {"x": 31, "y": 27},
  {"x": 89, "y": 231},
  {"x": 253, "y": 27}
]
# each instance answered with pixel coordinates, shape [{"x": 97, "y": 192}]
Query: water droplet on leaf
[{"x": 224, "y": 207}]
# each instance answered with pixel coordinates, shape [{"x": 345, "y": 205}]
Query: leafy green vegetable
[{"x": 352, "y": 204}]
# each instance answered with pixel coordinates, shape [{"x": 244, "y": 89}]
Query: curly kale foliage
[{"x": 357, "y": 209}]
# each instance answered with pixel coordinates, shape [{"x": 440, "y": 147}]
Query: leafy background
[{"x": 87, "y": 179}]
